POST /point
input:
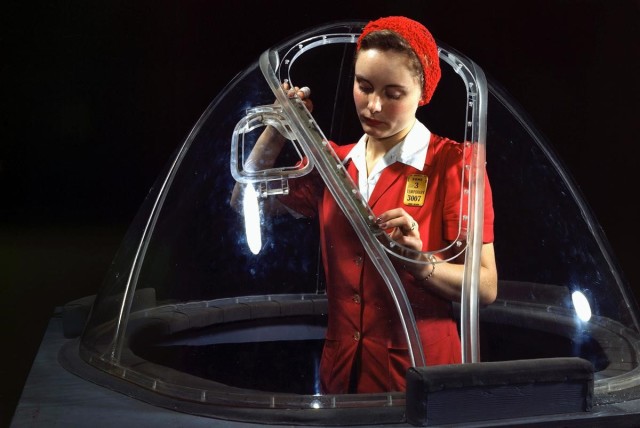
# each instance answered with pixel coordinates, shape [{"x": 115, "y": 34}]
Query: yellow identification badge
[{"x": 415, "y": 190}]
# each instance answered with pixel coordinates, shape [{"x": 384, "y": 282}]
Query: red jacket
[{"x": 364, "y": 327}]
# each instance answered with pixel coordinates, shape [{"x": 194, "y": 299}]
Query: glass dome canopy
[{"x": 189, "y": 311}]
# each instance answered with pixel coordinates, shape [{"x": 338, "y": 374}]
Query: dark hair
[{"x": 387, "y": 40}]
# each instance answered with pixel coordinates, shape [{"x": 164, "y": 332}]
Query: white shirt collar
[{"x": 412, "y": 151}]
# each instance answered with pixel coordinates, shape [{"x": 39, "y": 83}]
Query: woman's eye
[{"x": 394, "y": 95}]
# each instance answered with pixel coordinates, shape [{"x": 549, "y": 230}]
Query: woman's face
[{"x": 386, "y": 93}]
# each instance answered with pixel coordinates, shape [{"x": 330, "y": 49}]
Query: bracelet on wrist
[{"x": 432, "y": 259}]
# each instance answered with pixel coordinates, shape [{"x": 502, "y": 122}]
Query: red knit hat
[{"x": 420, "y": 40}]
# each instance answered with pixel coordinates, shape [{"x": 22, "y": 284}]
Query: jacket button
[
  {"x": 356, "y": 336},
  {"x": 357, "y": 260},
  {"x": 356, "y": 299}
]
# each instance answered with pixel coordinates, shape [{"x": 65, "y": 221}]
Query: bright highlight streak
[
  {"x": 251, "y": 213},
  {"x": 581, "y": 304}
]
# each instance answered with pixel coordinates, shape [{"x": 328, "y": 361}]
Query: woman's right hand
[{"x": 304, "y": 93}]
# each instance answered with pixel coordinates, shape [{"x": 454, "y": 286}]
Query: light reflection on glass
[
  {"x": 581, "y": 304},
  {"x": 251, "y": 212}
]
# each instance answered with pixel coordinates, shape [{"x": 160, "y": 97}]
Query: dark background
[{"x": 95, "y": 97}]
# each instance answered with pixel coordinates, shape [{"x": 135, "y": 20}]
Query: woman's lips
[{"x": 371, "y": 122}]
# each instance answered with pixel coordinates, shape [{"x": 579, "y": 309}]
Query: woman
[{"x": 396, "y": 71}]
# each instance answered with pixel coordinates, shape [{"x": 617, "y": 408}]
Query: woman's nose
[{"x": 375, "y": 104}]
